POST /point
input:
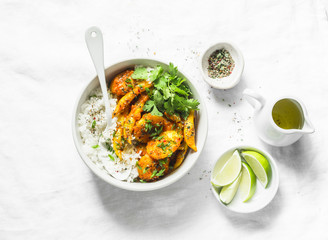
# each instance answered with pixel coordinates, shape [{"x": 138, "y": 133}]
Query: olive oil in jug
[{"x": 287, "y": 114}]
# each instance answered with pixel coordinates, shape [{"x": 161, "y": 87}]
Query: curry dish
[{"x": 162, "y": 133}]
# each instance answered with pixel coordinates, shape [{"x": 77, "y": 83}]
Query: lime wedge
[
  {"x": 229, "y": 191},
  {"x": 260, "y": 165},
  {"x": 247, "y": 184},
  {"x": 227, "y": 173}
]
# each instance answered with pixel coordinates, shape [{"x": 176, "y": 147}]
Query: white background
[{"x": 46, "y": 191}]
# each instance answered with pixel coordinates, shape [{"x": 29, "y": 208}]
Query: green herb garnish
[
  {"x": 109, "y": 146},
  {"x": 157, "y": 137},
  {"x": 148, "y": 126},
  {"x": 140, "y": 73},
  {"x": 95, "y": 146},
  {"x": 148, "y": 92},
  {"x": 154, "y": 74},
  {"x": 170, "y": 154},
  {"x": 156, "y": 132},
  {"x": 145, "y": 169},
  {"x": 138, "y": 166},
  {"x": 160, "y": 173},
  {"x": 162, "y": 162},
  {"x": 150, "y": 106},
  {"x": 93, "y": 124},
  {"x": 170, "y": 93},
  {"x": 111, "y": 157},
  {"x": 163, "y": 146},
  {"x": 154, "y": 173}
]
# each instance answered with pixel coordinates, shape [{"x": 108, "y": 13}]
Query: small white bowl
[
  {"x": 231, "y": 80},
  {"x": 191, "y": 158},
  {"x": 262, "y": 196}
]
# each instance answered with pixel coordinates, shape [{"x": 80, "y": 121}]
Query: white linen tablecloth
[{"x": 47, "y": 192}]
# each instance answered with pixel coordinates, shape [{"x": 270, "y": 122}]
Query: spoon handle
[{"x": 94, "y": 40}]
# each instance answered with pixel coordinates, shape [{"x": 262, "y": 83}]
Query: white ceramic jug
[{"x": 266, "y": 127}]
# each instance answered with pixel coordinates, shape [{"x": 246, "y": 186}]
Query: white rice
[{"x": 94, "y": 109}]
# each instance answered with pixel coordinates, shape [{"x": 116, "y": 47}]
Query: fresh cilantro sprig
[
  {"x": 150, "y": 106},
  {"x": 140, "y": 73},
  {"x": 170, "y": 93}
]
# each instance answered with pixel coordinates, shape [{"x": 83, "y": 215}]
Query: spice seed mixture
[{"x": 220, "y": 64}]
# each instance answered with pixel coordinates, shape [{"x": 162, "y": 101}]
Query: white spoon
[{"x": 94, "y": 40}]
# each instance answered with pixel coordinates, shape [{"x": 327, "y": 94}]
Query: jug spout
[{"x": 308, "y": 126}]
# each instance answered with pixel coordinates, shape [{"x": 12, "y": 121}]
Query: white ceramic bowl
[
  {"x": 262, "y": 197},
  {"x": 200, "y": 123},
  {"x": 231, "y": 80}
]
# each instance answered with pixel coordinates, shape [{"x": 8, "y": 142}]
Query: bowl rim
[
  {"x": 236, "y": 79},
  {"x": 126, "y": 185},
  {"x": 272, "y": 162}
]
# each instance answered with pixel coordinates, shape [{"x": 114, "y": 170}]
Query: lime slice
[
  {"x": 227, "y": 173},
  {"x": 260, "y": 165},
  {"x": 229, "y": 191},
  {"x": 247, "y": 184}
]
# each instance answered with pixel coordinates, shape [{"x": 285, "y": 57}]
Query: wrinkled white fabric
[{"x": 46, "y": 191}]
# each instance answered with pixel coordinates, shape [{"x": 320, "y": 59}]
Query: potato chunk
[
  {"x": 181, "y": 153},
  {"x": 189, "y": 131}
]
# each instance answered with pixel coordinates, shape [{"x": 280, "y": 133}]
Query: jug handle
[{"x": 254, "y": 99}]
